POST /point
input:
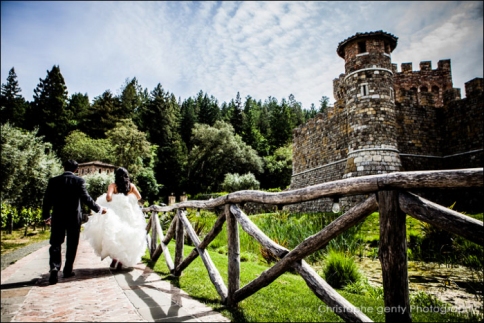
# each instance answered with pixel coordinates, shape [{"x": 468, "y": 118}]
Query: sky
[{"x": 258, "y": 48}]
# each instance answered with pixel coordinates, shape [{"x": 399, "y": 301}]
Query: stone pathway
[{"x": 94, "y": 294}]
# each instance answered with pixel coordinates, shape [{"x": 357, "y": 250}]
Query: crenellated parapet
[{"x": 426, "y": 80}]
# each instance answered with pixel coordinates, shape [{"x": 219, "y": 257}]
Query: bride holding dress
[{"x": 120, "y": 233}]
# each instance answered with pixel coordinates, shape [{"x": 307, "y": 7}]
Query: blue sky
[{"x": 256, "y": 48}]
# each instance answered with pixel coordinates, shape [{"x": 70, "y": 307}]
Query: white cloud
[{"x": 257, "y": 48}]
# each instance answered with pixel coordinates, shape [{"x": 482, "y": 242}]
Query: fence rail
[{"x": 387, "y": 193}]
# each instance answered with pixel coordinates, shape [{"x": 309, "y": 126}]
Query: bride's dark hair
[{"x": 121, "y": 179}]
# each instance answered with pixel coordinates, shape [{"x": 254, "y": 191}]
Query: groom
[{"x": 63, "y": 196}]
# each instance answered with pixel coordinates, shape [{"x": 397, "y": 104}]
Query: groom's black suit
[{"x": 63, "y": 196}]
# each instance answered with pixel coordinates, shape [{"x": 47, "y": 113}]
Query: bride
[{"x": 120, "y": 233}]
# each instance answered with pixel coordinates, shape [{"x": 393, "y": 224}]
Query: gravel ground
[{"x": 12, "y": 257}]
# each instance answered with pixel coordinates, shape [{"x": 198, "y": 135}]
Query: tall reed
[{"x": 286, "y": 229}]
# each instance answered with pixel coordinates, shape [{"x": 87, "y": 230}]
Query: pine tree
[
  {"x": 161, "y": 119},
  {"x": 49, "y": 108},
  {"x": 78, "y": 108},
  {"x": 297, "y": 114},
  {"x": 237, "y": 117},
  {"x": 311, "y": 113},
  {"x": 324, "y": 103},
  {"x": 13, "y": 105},
  {"x": 188, "y": 120},
  {"x": 280, "y": 122},
  {"x": 250, "y": 132},
  {"x": 208, "y": 110},
  {"x": 263, "y": 124},
  {"x": 132, "y": 99},
  {"x": 102, "y": 115},
  {"x": 225, "y": 112}
]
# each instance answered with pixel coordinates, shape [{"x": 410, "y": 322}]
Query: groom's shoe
[
  {"x": 68, "y": 274},
  {"x": 53, "y": 276}
]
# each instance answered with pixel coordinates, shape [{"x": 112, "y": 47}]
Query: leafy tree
[
  {"x": 27, "y": 164},
  {"x": 278, "y": 169},
  {"x": 13, "y": 105},
  {"x": 83, "y": 148},
  {"x": 102, "y": 115},
  {"x": 130, "y": 146},
  {"x": 49, "y": 108},
  {"x": 217, "y": 151},
  {"x": 147, "y": 185}
]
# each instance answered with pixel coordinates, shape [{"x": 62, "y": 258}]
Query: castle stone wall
[
  {"x": 320, "y": 141},
  {"x": 384, "y": 121}
]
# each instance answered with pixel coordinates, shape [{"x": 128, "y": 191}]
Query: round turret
[
  {"x": 367, "y": 50},
  {"x": 368, "y": 92}
]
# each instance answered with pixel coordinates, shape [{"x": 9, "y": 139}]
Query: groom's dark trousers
[{"x": 63, "y": 196}]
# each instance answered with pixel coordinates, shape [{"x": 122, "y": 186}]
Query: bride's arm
[
  {"x": 135, "y": 191},
  {"x": 109, "y": 194}
]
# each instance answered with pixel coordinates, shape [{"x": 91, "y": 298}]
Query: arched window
[
  {"x": 424, "y": 89},
  {"x": 361, "y": 47}
]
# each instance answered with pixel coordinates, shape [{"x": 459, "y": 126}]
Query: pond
[{"x": 454, "y": 285}]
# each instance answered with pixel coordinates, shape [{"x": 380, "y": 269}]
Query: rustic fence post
[
  {"x": 154, "y": 233},
  {"x": 179, "y": 242},
  {"x": 393, "y": 257},
  {"x": 233, "y": 255}
]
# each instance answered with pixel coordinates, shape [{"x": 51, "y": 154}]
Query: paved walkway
[{"x": 94, "y": 294}]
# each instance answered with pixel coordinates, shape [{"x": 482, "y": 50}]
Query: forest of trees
[{"x": 168, "y": 145}]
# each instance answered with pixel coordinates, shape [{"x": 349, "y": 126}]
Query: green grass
[
  {"x": 287, "y": 299},
  {"x": 288, "y": 230},
  {"x": 17, "y": 240},
  {"x": 370, "y": 229}
]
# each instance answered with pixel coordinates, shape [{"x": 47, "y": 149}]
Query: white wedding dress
[{"x": 120, "y": 233}]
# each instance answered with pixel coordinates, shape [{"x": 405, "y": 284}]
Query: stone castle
[{"x": 386, "y": 121}]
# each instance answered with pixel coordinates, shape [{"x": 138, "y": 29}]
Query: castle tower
[{"x": 367, "y": 87}]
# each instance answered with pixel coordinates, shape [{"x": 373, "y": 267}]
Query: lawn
[
  {"x": 287, "y": 299},
  {"x": 16, "y": 240}
]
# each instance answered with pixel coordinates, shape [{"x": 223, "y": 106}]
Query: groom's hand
[
  {"x": 103, "y": 210},
  {"x": 48, "y": 221}
]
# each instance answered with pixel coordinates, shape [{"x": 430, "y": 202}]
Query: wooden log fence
[{"x": 387, "y": 194}]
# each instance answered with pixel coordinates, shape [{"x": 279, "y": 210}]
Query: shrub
[
  {"x": 208, "y": 196},
  {"x": 340, "y": 270},
  {"x": 236, "y": 182},
  {"x": 97, "y": 184},
  {"x": 363, "y": 287}
]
